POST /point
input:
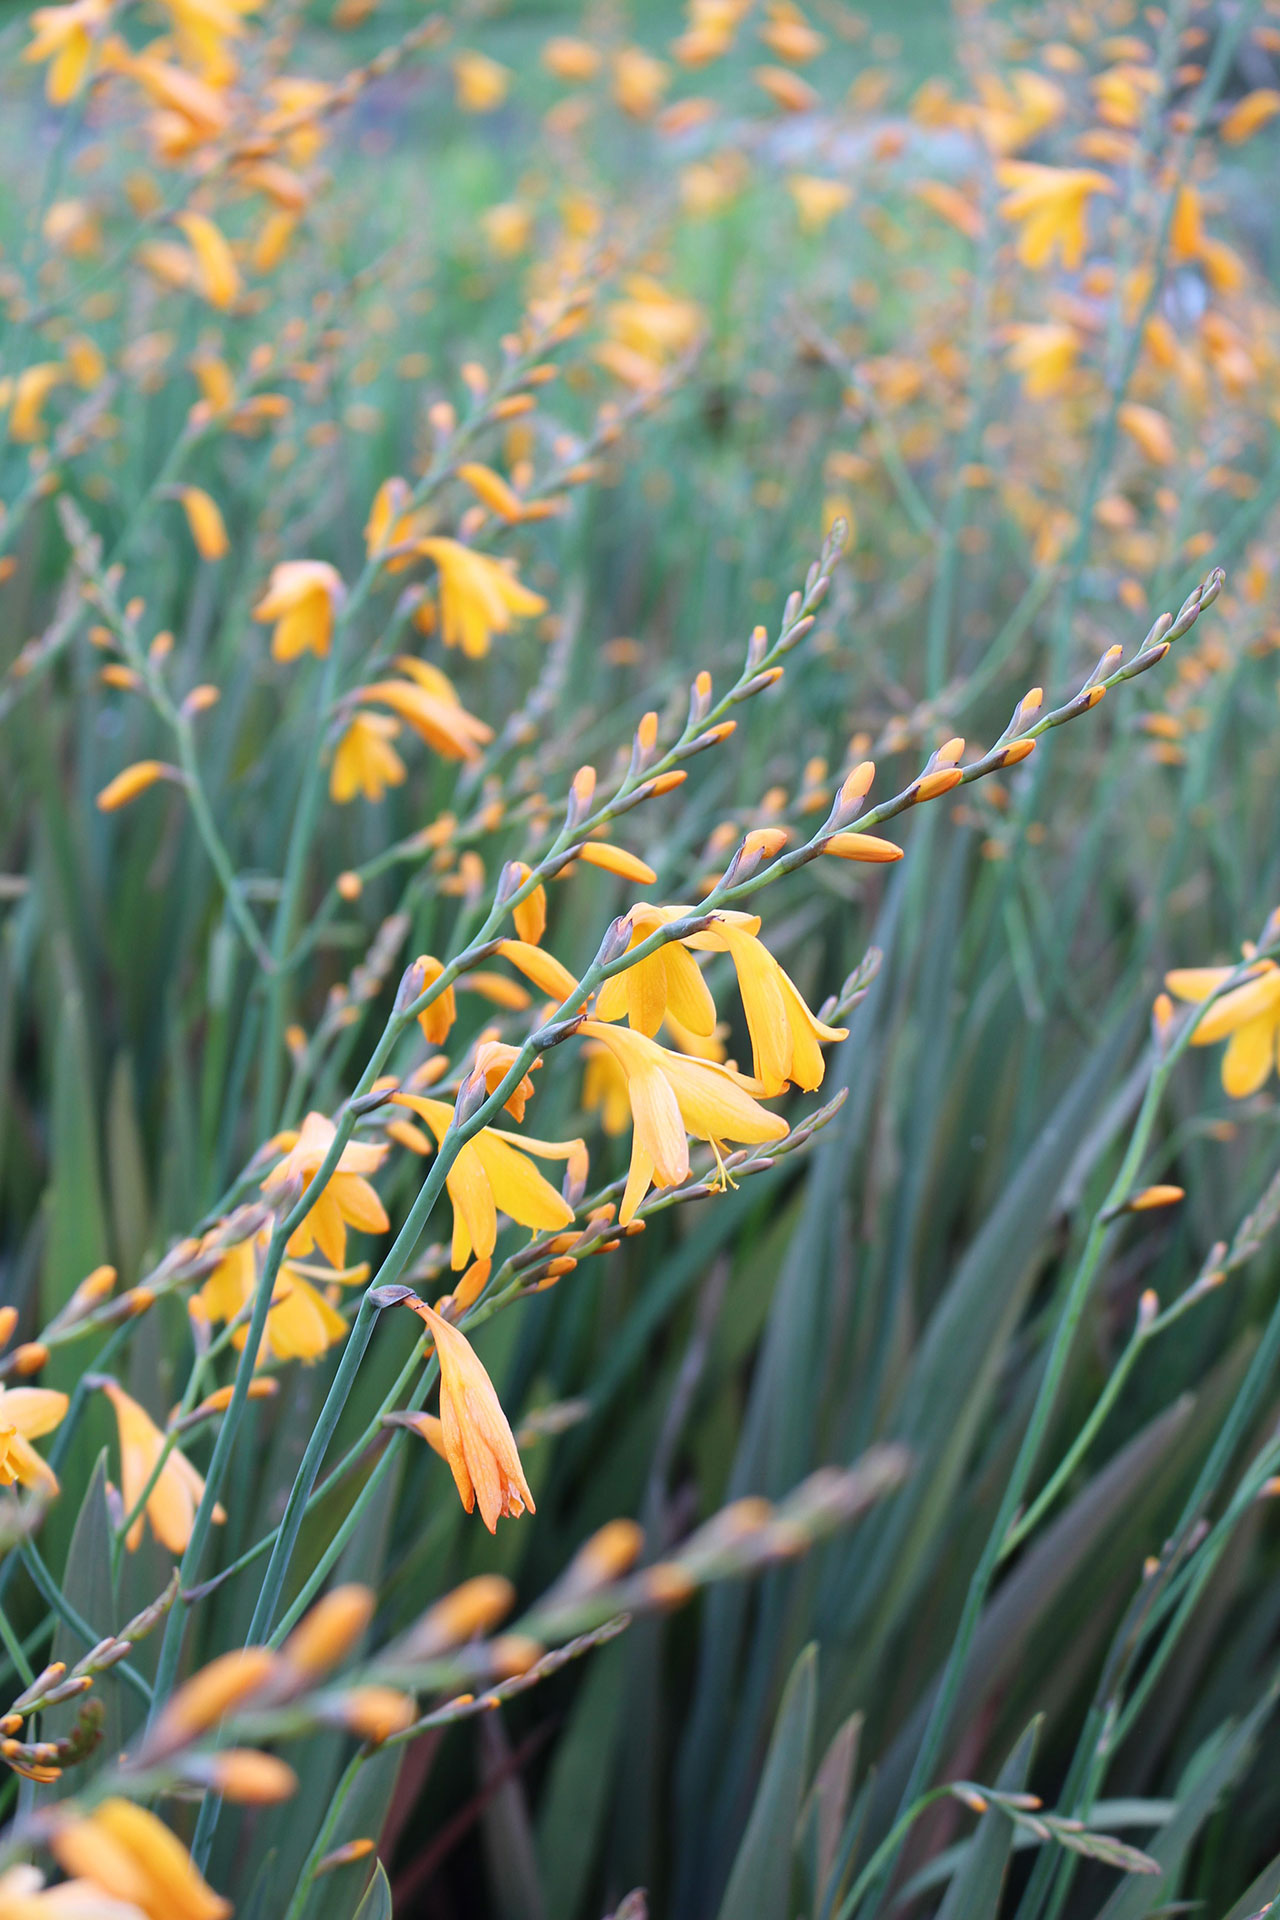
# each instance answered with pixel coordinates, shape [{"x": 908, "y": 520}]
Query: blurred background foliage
[{"x": 899, "y": 1282}]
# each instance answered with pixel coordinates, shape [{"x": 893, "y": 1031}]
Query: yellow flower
[
  {"x": 131, "y": 1856},
  {"x": 480, "y": 82},
  {"x": 347, "y": 1200},
  {"x": 1248, "y": 1018},
  {"x": 64, "y": 36},
  {"x": 301, "y": 1323},
  {"x": 426, "y": 699},
  {"x": 478, "y": 1442},
  {"x": 817, "y": 200},
  {"x": 508, "y": 228},
  {"x": 364, "y": 760},
  {"x": 570, "y": 59},
  {"x": 667, "y": 981},
  {"x": 478, "y": 596},
  {"x": 215, "y": 274},
  {"x": 604, "y": 1089},
  {"x": 394, "y": 522},
  {"x": 1013, "y": 113},
  {"x": 672, "y": 1095},
  {"x": 647, "y": 330},
  {"x": 492, "y": 1173},
  {"x": 639, "y": 82},
  {"x": 27, "y": 395},
  {"x": 785, "y": 1036},
  {"x": 1044, "y": 354},
  {"x": 300, "y": 599},
  {"x": 1050, "y": 204},
  {"x": 208, "y": 529},
  {"x": 172, "y": 1502},
  {"x": 1150, "y": 431},
  {"x": 25, "y": 1414}
]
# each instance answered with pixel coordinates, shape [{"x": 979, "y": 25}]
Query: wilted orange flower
[
  {"x": 478, "y": 1442},
  {"x": 672, "y": 1095},
  {"x": 25, "y": 1414},
  {"x": 364, "y": 761},
  {"x": 179, "y": 1489},
  {"x": 1049, "y": 203},
  {"x": 347, "y": 1200},
  {"x": 300, "y": 599},
  {"x": 129, "y": 1855},
  {"x": 1248, "y": 1018},
  {"x": 492, "y": 1173},
  {"x": 479, "y": 596}
]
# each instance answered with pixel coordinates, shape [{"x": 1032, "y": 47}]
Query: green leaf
[
  {"x": 979, "y": 1881},
  {"x": 760, "y": 1880},
  {"x": 376, "y": 1904},
  {"x": 578, "y": 1788},
  {"x": 1216, "y": 1765},
  {"x": 76, "y": 1219},
  {"x": 1257, "y": 1894},
  {"x": 88, "y": 1586}
]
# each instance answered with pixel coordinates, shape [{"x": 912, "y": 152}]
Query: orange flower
[
  {"x": 347, "y": 1200},
  {"x": 477, "y": 1440}
]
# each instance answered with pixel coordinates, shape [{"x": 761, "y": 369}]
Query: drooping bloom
[
  {"x": 786, "y": 1038},
  {"x": 1050, "y": 205},
  {"x": 477, "y": 1439},
  {"x": 785, "y": 1035},
  {"x": 672, "y": 1096},
  {"x": 479, "y": 596},
  {"x": 179, "y": 1489},
  {"x": 364, "y": 761},
  {"x": 64, "y": 36},
  {"x": 347, "y": 1200},
  {"x": 302, "y": 1324},
  {"x": 492, "y": 1173},
  {"x": 1248, "y": 1018},
  {"x": 25, "y": 1414},
  {"x": 132, "y": 1857},
  {"x": 426, "y": 699},
  {"x": 300, "y": 599}
]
